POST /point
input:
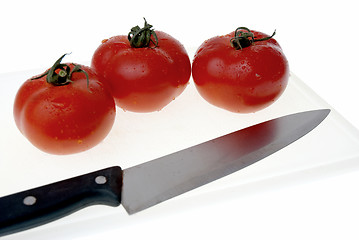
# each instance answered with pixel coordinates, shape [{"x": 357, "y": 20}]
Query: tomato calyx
[
  {"x": 245, "y": 38},
  {"x": 60, "y": 74},
  {"x": 141, "y": 37}
]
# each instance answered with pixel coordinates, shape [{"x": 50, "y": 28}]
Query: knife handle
[{"x": 34, "y": 207}]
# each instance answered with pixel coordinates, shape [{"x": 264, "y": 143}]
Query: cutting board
[{"x": 330, "y": 149}]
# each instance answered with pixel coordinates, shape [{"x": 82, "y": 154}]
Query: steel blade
[{"x": 155, "y": 181}]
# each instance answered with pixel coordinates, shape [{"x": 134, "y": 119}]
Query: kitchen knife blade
[{"x": 150, "y": 183}]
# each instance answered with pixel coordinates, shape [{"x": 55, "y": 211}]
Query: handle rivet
[
  {"x": 29, "y": 200},
  {"x": 100, "y": 180}
]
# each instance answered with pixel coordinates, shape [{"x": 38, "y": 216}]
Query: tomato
[
  {"x": 66, "y": 110},
  {"x": 146, "y": 70},
  {"x": 244, "y": 71}
]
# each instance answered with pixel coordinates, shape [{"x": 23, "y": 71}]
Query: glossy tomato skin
[
  {"x": 143, "y": 79},
  {"x": 65, "y": 119},
  {"x": 240, "y": 81}
]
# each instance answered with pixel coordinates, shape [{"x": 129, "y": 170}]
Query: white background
[{"x": 319, "y": 39}]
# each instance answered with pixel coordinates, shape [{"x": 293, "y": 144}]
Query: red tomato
[
  {"x": 146, "y": 70},
  {"x": 70, "y": 115},
  {"x": 244, "y": 71}
]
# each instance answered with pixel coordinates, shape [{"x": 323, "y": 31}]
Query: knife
[{"x": 150, "y": 183}]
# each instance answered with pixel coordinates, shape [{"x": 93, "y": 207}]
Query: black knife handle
[{"x": 34, "y": 207}]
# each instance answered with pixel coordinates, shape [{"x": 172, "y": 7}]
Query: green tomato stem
[
  {"x": 59, "y": 74},
  {"x": 141, "y": 37},
  {"x": 245, "y": 38}
]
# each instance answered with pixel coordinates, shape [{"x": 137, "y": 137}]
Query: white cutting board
[{"x": 330, "y": 149}]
